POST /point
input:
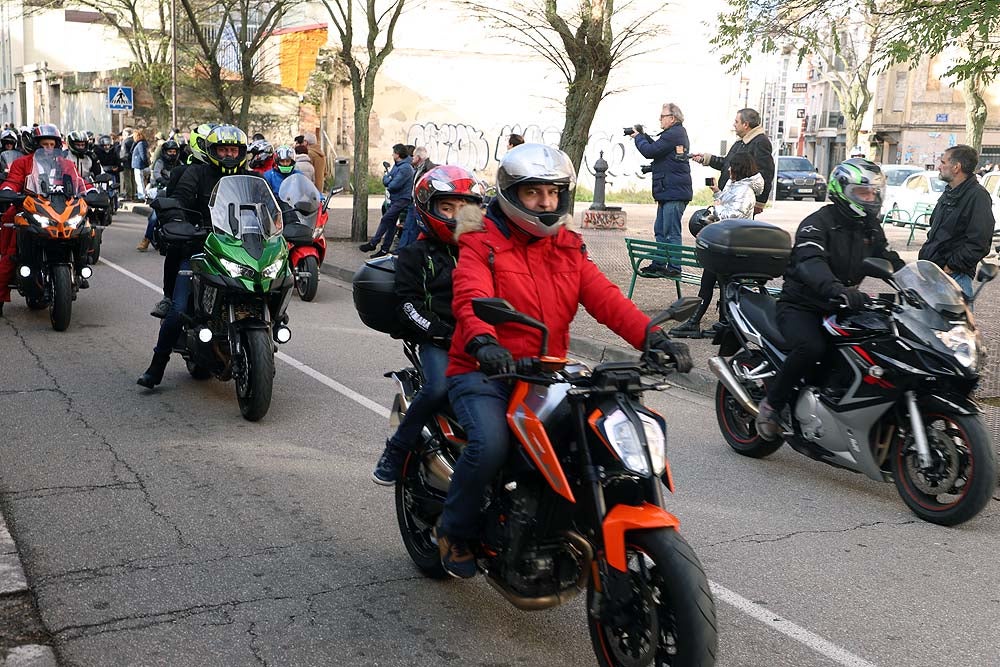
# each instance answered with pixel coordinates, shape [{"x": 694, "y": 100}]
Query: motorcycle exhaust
[
  {"x": 720, "y": 368},
  {"x": 439, "y": 468},
  {"x": 554, "y": 600}
]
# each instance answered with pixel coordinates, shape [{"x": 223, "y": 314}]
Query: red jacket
[{"x": 545, "y": 278}]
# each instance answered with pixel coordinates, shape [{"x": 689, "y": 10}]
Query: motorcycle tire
[
  {"x": 197, "y": 372},
  {"x": 416, "y": 530},
  {"x": 61, "y": 306},
  {"x": 668, "y": 579},
  {"x": 307, "y": 288},
  {"x": 739, "y": 428},
  {"x": 955, "y": 440},
  {"x": 253, "y": 392},
  {"x": 95, "y": 248}
]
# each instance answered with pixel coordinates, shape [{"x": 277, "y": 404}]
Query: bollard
[
  {"x": 600, "y": 176},
  {"x": 599, "y": 215}
]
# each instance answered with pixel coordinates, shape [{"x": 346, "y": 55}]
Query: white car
[
  {"x": 991, "y": 182},
  {"x": 923, "y": 187},
  {"x": 895, "y": 174}
]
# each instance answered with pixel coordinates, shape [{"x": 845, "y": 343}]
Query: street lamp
[{"x": 173, "y": 64}]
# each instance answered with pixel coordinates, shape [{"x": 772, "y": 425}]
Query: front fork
[{"x": 919, "y": 432}]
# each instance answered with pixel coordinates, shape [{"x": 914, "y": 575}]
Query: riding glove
[
  {"x": 493, "y": 358},
  {"x": 855, "y": 298},
  {"x": 677, "y": 352}
]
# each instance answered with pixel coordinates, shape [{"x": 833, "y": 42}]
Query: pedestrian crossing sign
[{"x": 120, "y": 98}]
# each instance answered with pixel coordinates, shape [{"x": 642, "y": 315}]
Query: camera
[
  {"x": 646, "y": 168},
  {"x": 629, "y": 131},
  {"x": 710, "y": 181}
]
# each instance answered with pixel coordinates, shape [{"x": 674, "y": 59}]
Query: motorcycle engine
[{"x": 807, "y": 411}]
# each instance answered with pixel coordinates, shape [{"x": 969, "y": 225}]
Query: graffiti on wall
[{"x": 470, "y": 147}]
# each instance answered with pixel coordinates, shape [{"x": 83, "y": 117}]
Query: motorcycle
[
  {"x": 579, "y": 504},
  {"x": 100, "y": 218},
  {"x": 54, "y": 239},
  {"x": 305, "y": 221},
  {"x": 241, "y": 285},
  {"x": 894, "y": 399}
]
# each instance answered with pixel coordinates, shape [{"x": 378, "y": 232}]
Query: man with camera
[
  {"x": 753, "y": 141},
  {"x": 671, "y": 179}
]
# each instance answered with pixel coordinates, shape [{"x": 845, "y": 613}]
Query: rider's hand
[
  {"x": 493, "y": 358},
  {"x": 855, "y": 298},
  {"x": 677, "y": 352}
]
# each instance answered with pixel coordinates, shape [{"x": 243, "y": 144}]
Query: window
[
  {"x": 990, "y": 183},
  {"x": 899, "y": 93}
]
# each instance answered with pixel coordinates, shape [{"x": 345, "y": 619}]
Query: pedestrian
[
  {"x": 140, "y": 164},
  {"x": 671, "y": 181},
  {"x": 421, "y": 165},
  {"x": 514, "y": 140},
  {"x": 128, "y": 176},
  {"x": 399, "y": 184},
  {"x": 303, "y": 163},
  {"x": 318, "y": 160},
  {"x": 751, "y": 140},
  {"x": 962, "y": 220}
]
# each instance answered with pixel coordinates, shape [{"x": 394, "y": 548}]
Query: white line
[
  {"x": 763, "y": 614},
  {"x": 789, "y": 629}
]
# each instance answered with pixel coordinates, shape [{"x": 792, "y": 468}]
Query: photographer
[{"x": 671, "y": 179}]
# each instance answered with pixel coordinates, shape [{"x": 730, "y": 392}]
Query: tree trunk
[
  {"x": 359, "y": 176},
  {"x": 975, "y": 113},
  {"x": 583, "y": 96}
]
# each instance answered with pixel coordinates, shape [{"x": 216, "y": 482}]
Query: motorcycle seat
[{"x": 761, "y": 311}]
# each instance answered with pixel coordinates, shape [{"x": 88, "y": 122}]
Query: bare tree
[
  {"x": 845, "y": 36},
  {"x": 380, "y": 24},
  {"x": 584, "y": 40},
  {"x": 226, "y": 36}
]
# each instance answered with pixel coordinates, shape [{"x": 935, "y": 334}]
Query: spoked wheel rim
[
  {"x": 419, "y": 531},
  {"x": 651, "y": 629},
  {"x": 949, "y": 478},
  {"x": 740, "y": 423}
]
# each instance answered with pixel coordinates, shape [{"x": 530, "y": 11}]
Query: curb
[
  {"x": 12, "y": 579},
  {"x": 698, "y": 380}
]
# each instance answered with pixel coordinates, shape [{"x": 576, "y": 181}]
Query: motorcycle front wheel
[
  {"x": 61, "y": 305},
  {"x": 670, "y": 619},
  {"x": 415, "y": 522},
  {"x": 254, "y": 384},
  {"x": 307, "y": 286},
  {"x": 962, "y": 475}
]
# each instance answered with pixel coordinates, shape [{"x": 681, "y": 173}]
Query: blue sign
[
  {"x": 120, "y": 98},
  {"x": 941, "y": 118}
]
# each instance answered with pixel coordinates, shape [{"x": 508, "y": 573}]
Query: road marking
[{"x": 762, "y": 614}]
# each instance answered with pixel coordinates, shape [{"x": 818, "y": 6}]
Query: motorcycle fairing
[
  {"x": 624, "y": 518},
  {"x": 529, "y": 406}
]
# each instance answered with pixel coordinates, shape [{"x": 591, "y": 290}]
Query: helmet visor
[{"x": 865, "y": 194}]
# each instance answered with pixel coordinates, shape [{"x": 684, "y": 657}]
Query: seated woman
[{"x": 736, "y": 200}]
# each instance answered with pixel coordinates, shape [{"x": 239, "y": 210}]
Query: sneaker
[
  {"x": 161, "y": 309},
  {"x": 456, "y": 558},
  {"x": 390, "y": 465},
  {"x": 378, "y": 253},
  {"x": 670, "y": 271},
  {"x": 768, "y": 426},
  {"x": 651, "y": 270},
  {"x": 366, "y": 247},
  {"x": 143, "y": 245},
  {"x": 689, "y": 329}
]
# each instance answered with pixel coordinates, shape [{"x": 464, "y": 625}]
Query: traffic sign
[{"x": 120, "y": 98}]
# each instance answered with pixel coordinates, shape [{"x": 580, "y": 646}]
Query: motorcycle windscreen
[
  {"x": 299, "y": 193},
  {"x": 49, "y": 176},
  {"x": 934, "y": 286},
  {"x": 245, "y": 207}
]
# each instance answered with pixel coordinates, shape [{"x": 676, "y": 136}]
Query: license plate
[{"x": 805, "y": 189}]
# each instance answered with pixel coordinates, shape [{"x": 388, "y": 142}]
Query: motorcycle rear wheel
[
  {"x": 738, "y": 427},
  {"x": 61, "y": 306},
  {"x": 253, "y": 392},
  {"x": 964, "y": 474},
  {"x": 414, "y": 528},
  {"x": 672, "y": 603},
  {"x": 308, "y": 286}
]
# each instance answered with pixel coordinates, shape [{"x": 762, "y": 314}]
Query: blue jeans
[
  {"x": 432, "y": 395},
  {"x": 150, "y": 223},
  {"x": 386, "y": 231},
  {"x": 481, "y": 409},
  {"x": 667, "y": 227},
  {"x": 410, "y": 229},
  {"x": 170, "y": 326},
  {"x": 964, "y": 281}
]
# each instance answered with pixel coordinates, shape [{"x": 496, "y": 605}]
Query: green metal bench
[
  {"x": 896, "y": 216},
  {"x": 919, "y": 219},
  {"x": 642, "y": 250}
]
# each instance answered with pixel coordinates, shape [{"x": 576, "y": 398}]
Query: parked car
[
  {"x": 991, "y": 182},
  {"x": 923, "y": 187},
  {"x": 798, "y": 178},
  {"x": 895, "y": 174}
]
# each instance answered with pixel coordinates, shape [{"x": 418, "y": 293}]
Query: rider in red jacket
[{"x": 521, "y": 251}]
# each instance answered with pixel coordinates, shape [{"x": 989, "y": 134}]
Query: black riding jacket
[
  {"x": 423, "y": 282},
  {"x": 827, "y": 257}
]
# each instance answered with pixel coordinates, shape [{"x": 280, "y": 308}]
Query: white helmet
[{"x": 535, "y": 163}]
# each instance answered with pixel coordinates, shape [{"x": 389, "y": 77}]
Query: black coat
[
  {"x": 961, "y": 228},
  {"x": 423, "y": 282},
  {"x": 759, "y": 147},
  {"x": 827, "y": 257}
]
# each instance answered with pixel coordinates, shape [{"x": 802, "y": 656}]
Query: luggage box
[
  {"x": 374, "y": 288},
  {"x": 744, "y": 248}
]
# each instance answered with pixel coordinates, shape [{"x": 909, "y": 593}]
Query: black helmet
[
  {"x": 700, "y": 219},
  {"x": 77, "y": 141},
  {"x": 856, "y": 188},
  {"x": 105, "y": 143},
  {"x": 170, "y": 146}
]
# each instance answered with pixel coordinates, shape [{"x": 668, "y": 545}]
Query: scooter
[{"x": 305, "y": 218}]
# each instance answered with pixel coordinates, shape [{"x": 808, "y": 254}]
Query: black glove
[
  {"x": 855, "y": 298},
  {"x": 493, "y": 358},
  {"x": 677, "y": 352}
]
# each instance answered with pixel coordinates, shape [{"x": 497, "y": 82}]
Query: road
[{"x": 159, "y": 528}]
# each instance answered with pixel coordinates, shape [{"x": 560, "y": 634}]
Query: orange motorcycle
[
  {"x": 579, "y": 505},
  {"x": 54, "y": 239}
]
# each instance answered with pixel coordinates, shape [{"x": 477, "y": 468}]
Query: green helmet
[
  {"x": 226, "y": 135},
  {"x": 197, "y": 142},
  {"x": 856, "y": 187}
]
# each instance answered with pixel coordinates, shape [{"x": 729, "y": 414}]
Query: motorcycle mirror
[
  {"x": 103, "y": 178},
  {"x": 679, "y": 310},
  {"x": 876, "y": 267},
  {"x": 499, "y": 311},
  {"x": 987, "y": 272}
]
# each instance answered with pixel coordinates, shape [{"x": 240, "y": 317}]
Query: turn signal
[{"x": 282, "y": 334}]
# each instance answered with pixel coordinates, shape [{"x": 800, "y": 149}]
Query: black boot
[
  {"x": 154, "y": 374},
  {"x": 689, "y": 329}
]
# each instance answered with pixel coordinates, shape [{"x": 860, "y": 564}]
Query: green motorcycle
[{"x": 241, "y": 285}]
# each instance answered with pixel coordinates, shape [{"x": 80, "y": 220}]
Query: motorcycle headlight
[
  {"x": 274, "y": 268},
  {"x": 236, "y": 270},
  {"x": 656, "y": 442},
  {"x": 74, "y": 221},
  {"x": 625, "y": 440},
  {"x": 963, "y": 342},
  {"x": 41, "y": 220}
]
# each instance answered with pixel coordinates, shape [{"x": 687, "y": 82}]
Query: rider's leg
[{"x": 170, "y": 329}]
